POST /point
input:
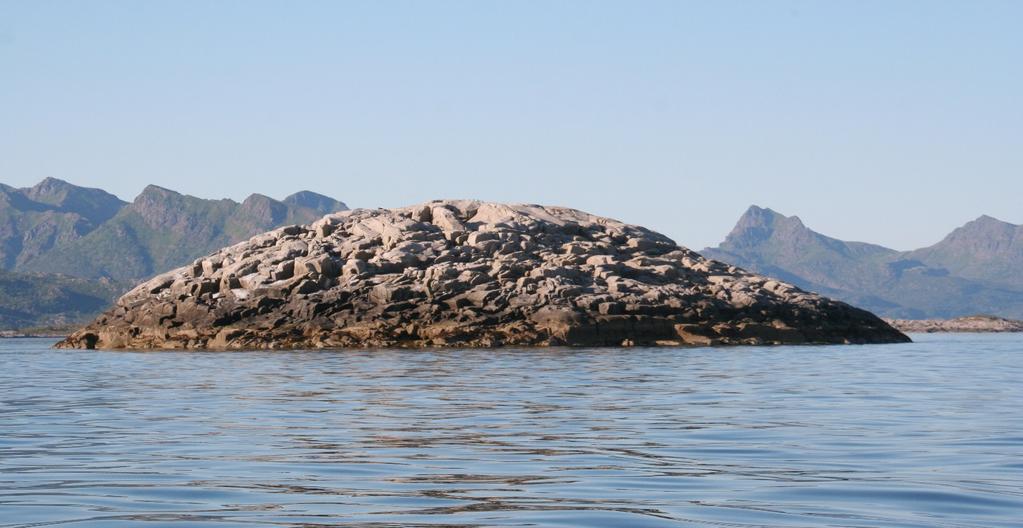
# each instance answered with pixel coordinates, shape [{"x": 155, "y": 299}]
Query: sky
[{"x": 891, "y": 122}]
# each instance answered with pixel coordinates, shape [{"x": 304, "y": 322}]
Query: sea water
[{"x": 928, "y": 434}]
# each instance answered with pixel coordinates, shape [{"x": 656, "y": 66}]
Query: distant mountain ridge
[
  {"x": 56, "y": 233},
  {"x": 986, "y": 249},
  {"x": 34, "y": 220},
  {"x": 80, "y": 247},
  {"x": 162, "y": 229},
  {"x": 978, "y": 268}
]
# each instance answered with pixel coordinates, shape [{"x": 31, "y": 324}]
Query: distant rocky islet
[
  {"x": 970, "y": 324},
  {"x": 468, "y": 273}
]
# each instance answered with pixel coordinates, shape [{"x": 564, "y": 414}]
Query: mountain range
[
  {"x": 67, "y": 251},
  {"x": 976, "y": 269}
]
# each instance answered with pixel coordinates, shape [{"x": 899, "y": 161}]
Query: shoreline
[{"x": 971, "y": 324}]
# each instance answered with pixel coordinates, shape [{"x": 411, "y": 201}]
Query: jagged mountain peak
[
  {"x": 95, "y": 204},
  {"x": 263, "y": 210},
  {"x": 759, "y": 224},
  {"x": 36, "y": 219},
  {"x": 50, "y": 183},
  {"x": 163, "y": 228},
  {"x": 986, "y": 249},
  {"x": 258, "y": 198},
  {"x": 316, "y": 201},
  {"x": 57, "y": 227},
  {"x": 156, "y": 198},
  {"x": 987, "y": 223},
  {"x": 57, "y": 192},
  {"x": 987, "y": 219},
  {"x": 984, "y": 231},
  {"x": 155, "y": 192},
  {"x": 976, "y": 268},
  {"x": 756, "y": 213},
  {"x": 152, "y": 188}
]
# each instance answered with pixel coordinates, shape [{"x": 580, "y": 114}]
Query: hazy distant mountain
[
  {"x": 54, "y": 234},
  {"x": 34, "y": 300},
  {"x": 986, "y": 249},
  {"x": 163, "y": 229},
  {"x": 77, "y": 248},
  {"x": 318, "y": 202},
  {"x": 782, "y": 244},
  {"x": 36, "y": 219},
  {"x": 953, "y": 278}
]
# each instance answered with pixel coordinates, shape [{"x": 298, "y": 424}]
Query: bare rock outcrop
[{"x": 468, "y": 273}]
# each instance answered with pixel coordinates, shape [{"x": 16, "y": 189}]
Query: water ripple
[{"x": 919, "y": 435}]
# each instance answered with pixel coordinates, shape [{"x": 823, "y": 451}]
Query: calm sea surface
[{"x": 928, "y": 434}]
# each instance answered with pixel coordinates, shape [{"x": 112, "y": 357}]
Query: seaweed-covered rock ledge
[{"x": 468, "y": 274}]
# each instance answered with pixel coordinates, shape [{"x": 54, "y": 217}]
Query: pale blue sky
[{"x": 890, "y": 122}]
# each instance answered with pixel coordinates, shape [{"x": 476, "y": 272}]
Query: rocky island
[{"x": 468, "y": 274}]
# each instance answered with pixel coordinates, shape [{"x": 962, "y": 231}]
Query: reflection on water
[{"x": 924, "y": 434}]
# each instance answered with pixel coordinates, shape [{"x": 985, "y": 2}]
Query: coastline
[
  {"x": 958, "y": 325},
  {"x": 19, "y": 333},
  {"x": 969, "y": 324}
]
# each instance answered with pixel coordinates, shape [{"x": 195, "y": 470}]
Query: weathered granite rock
[{"x": 468, "y": 273}]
